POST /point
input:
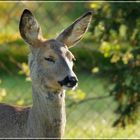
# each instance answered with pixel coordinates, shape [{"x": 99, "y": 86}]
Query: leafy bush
[{"x": 116, "y": 29}]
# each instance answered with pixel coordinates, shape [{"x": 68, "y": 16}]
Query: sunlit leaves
[
  {"x": 110, "y": 48},
  {"x": 117, "y": 30},
  {"x": 20, "y": 102},
  {"x": 105, "y": 48},
  {"x": 115, "y": 58},
  {"x": 95, "y": 70},
  {"x": 6, "y": 37},
  {"x": 126, "y": 57},
  {"x": 76, "y": 95},
  {"x": 123, "y": 31},
  {"x": 3, "y": 92},
  {"x": 25, "y": 71},
  {"x": 113, "y": 50},
  {"x": 95, "y": 5},
  {"x": 99, "y": 30}
]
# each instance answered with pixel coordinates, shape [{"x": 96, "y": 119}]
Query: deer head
[{"x": 51, "y": 62}]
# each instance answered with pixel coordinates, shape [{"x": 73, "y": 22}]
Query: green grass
[
  {"x": 92, "y": 119},
  {"x": 18, "y": 90}
]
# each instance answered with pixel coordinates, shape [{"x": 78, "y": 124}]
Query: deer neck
[{"x": 47, "y": 116}]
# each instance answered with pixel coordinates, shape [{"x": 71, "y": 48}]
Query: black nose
[{"x": 69, "y": 81}]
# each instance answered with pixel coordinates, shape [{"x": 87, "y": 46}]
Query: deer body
[
  {"x": 46, "y": 115},
  {"x": 50, "y": 64},
  {"x": 12, "y": 121}
]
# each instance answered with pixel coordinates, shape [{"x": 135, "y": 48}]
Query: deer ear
[
  {"x": 71, "y": 35},
  {"x": 29, "y": 27}
]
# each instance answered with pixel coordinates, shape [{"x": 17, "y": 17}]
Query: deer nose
[{"x": 69, "y": 81}]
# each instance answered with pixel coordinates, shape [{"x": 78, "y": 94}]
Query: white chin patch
[{"x": 70, "y": 88}]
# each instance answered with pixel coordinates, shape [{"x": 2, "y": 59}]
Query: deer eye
[{"x": 50, "y": 59}]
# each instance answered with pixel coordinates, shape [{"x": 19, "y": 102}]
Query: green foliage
[
  {"x": 3, "y": 92},
  {"x": 25, "y": 70},
  {"x": 77, "y": 95},
  {"x": 116, "y": 29},
  {"x": 111, "y": 47}
]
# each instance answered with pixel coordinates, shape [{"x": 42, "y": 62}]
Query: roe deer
[{"x": 51, "y": 64}]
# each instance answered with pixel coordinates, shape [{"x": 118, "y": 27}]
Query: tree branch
[{"x": 87, "y": 99}]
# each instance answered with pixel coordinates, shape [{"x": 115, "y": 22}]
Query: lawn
[{"x": 87, "y": 120}]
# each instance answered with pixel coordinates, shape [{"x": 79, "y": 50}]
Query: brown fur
[{"x": 46, "y": 117}]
